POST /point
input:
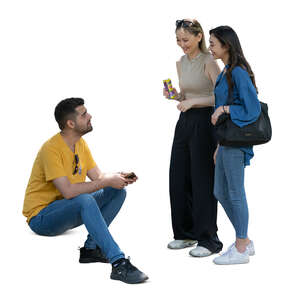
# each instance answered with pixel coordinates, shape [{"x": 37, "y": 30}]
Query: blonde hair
[{"x": 194, "y": 27}]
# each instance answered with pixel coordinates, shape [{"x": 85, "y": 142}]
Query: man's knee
[
  {"x": 117, "y": 193},
  {"x": 122, "y": 193},
  {"x": 86, "y": 200}
]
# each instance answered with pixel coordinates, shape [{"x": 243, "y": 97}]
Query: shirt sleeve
[
  {"x": 52, "y": 163},
  {"x": 89, "y": 158},
  {"x": 249, "y": 108}
]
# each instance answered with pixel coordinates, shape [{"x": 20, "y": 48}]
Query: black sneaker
[
  {"x": 91, "y": 255},
  {"x": 127, "y": 273}
]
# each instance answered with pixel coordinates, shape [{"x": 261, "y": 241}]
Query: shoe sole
[
  {"x": 115, "y": 277},
  {"x": 190, "y": 244},
  {"x": 91, "y": 260},
  {"x": 235, "y": 263},
  {"x": 205, "y": 255}
]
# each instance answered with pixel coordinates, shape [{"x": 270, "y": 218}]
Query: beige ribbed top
[{"x": 193, "y": 81}]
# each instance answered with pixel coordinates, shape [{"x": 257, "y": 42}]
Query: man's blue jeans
[
  {"x": 229, "y": 187},
  {"x": 96, "y": 211}
]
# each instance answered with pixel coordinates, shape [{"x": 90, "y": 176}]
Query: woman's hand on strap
[{"x": 219, "y": 111}]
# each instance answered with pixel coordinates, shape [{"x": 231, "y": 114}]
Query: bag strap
[
  {"x": 230, "y": 96},
  {"x": 230, "y": 99}
]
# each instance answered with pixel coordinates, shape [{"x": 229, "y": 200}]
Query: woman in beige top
[{"x": 193, "y": 205}]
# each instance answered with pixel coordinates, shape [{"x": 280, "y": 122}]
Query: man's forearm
[{"x": 76, "y": 189}]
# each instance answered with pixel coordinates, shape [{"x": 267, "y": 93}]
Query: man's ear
[{"x": 70, "y": 124}]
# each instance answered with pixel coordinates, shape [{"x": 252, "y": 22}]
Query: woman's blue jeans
[
  {"x": 96, "y": 211},
  {"x": 229, "y": 187}
]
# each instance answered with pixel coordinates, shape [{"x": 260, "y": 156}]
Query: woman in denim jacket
[{"x": 237, "y": 81}]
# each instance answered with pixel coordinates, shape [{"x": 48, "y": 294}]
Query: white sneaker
[
  {"x": 180, "y": 244},
  {"x": 250, "y": 248},
  {"x": 200, "y": 251},
  {"x": 232, "y": 256}
]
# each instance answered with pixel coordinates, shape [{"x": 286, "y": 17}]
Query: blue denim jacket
[{"x": 246, "y": 107}]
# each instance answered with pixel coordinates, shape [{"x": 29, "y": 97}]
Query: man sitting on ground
[{"x": 58, "y": 198}]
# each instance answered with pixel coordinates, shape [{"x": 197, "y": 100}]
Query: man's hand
[
  {"x": 185, "y": 105},
  {"x": 128, "y": 180},
  {"x": 115, "y": 180}
]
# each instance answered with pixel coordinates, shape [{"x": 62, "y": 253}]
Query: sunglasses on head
[
  {"x": 184, "y": 23},
  {"x": 76, "y": 164}
]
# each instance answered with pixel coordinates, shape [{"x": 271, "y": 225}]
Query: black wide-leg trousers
[{"x": 191, "y": 181}]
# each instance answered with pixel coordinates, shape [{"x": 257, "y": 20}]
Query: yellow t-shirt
[{"x": 55, "y": 159}]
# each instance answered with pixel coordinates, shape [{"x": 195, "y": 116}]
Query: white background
[{"x": 115, "y": 55}]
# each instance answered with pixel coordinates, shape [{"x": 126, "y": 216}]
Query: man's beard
[{"x": 83, "y": 131}]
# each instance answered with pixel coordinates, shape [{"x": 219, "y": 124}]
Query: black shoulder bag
[{"x": 229, "y": 134}]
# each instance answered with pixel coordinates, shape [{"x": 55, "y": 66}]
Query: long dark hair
[{"x": 228, "y": 37}]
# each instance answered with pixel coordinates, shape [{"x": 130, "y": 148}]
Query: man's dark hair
[{"x": 66, "y": 110}]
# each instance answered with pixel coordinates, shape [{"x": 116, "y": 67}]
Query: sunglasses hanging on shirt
[{"x": 76, "y": 160}]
